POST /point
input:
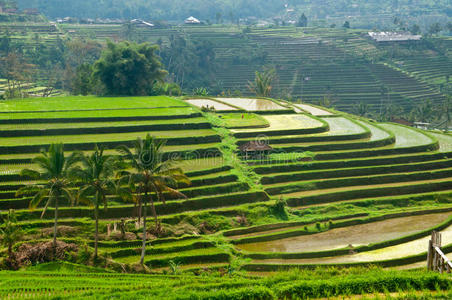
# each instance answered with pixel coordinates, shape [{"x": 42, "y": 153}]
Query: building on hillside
[
  {"x": 393, "y": 37},
  {"x": 11, "y": 11},
  {"x": 402, "y": 121},
  {"x": 255, "y": 150},
  {"x": 141, "y": 23},
  {"x": 422, "y": 125},
  {"x": 192, "y": 20}
]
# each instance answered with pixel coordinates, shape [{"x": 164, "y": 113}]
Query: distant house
[
  {"x": 393, "y": 37},
  {"x": 402, "y": 121},
  {"x": 422, "y": 125},
  {"x": 141, "y": 23},
  {"x": 11, "y": 11},
  {"x": 192, "y": 20},
  {"x": 255, "y": 150},
  {"x": 67, "y": 20}
]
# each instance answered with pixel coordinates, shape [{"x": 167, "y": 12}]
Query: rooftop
[{"x": 386, "y": 36}]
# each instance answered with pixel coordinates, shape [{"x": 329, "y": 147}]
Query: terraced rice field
[
  {"x": 87, "y": 103},
  {"x": 207, "y": 103},
  {"x": 253, "y": 104},
  {"x": 315, "y": 111},
  {"x": 344, "y": 237},
  {"x": 286, "y": 122},
  {"x": 376, "y": 187}
]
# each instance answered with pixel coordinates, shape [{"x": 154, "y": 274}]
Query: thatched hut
[{"x": 255, "y": 150}]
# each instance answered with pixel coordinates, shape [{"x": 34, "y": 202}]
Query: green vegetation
[
  {"x": 262, "y": 85},
  {"x": 224, "y": 284},
  {"x": 243, "y": 120},
  {"x": 242, "y": 188},
  {"x": 96, "y": 179},
  {"x": 56, "y": 170},
  {"x": 152, "y": 174},
  {"x": 129, "y": 69},
  {"x": 89, "y": 103}
]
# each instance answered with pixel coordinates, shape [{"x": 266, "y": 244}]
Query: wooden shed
[{"x": 255, "y": 150}]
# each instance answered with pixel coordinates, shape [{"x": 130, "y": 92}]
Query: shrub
[
  {"x": 318, "y": 226},
  {"x": 280, "y": 207}
]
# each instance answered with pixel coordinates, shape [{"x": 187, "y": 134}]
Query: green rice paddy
[{"x": 373, "y": 171}]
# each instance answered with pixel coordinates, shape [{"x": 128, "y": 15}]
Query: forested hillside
[{"x": 361, "y": 13}]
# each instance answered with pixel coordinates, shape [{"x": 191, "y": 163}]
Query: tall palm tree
[
  {"x": 95, "y": 175},
  {"x": 55, "y": 169},
  {"x": 152, "y": 176},
  {"x": 262, "y": 85},
  {"x": 361, "y": 109}
]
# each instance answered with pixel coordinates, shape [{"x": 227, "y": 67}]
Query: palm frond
[
  {"x": 38, "y": 197},
  {"x": 28, "y": 190},
  {"x": 30, "y": 173}
]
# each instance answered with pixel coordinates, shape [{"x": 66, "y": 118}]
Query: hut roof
[
  {"x": 255, "y": 146},
  {"x": 393, "y": 36},
  {"x": 402, "y": 121},
  {"x": 192, "y": 20}
]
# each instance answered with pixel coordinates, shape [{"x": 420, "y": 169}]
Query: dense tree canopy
[{"x": 129, "y": 69}]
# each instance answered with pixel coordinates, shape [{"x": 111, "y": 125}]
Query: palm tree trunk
[
  {"x": 96, "y": 237},
  {"x": 143, "y": 248},
  {"x": 140, "y": 209},
  {"x": 10, "y": 251},
  {"x": 154, "y": 213},
  {"x": 55, "y": 227}
]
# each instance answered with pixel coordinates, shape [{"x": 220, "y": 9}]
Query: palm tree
[
  {"x": 361, "y": 109},
  {"x": 10, "y": 233},
  {"x": 152, "y": 175},
  {"x": 262, "y": 85},
  {"x": 95, "y": 173},
  {"x": 423, "y": 112},
  {"x": 55, "y": 170},
  {"x": 446, "y": 112}
]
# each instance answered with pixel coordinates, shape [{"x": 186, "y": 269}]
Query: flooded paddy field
[
  {"x": 353, "y": 235},
  {"x": 218, "y": 106}
]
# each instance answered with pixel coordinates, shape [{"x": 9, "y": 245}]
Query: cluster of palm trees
[
  {"x": 424, "y": 111},
  {"x": 141, "y": 174}
]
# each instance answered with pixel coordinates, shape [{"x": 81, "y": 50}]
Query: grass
[
  {"x": 114, "y": 113},
  {"x": 87, "y": 103},
  {"x": 419, "y": 183},
  {"x": 319, "y": 283},
  {"x": 99, "y": 138},
  {"x": 167, "y": 256},
  {"x": 32, "y": 126},
  {"x": 177, "y": 148},
  {"x": 241, "y": 120}
]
